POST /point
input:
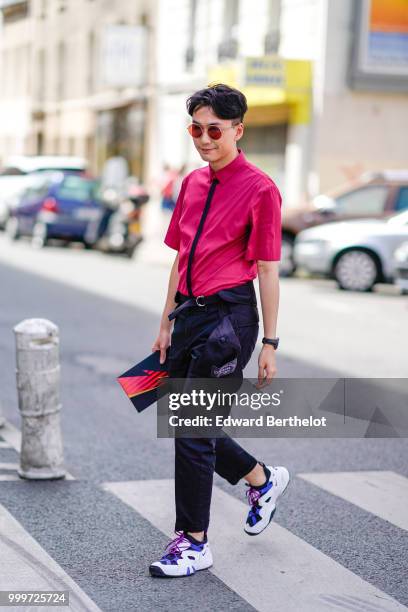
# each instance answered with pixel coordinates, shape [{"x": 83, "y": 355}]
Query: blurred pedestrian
[
  {"x": 213, "y": 300},
  {"x": 169, "y": 178}
]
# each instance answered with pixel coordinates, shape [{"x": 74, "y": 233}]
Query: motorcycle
[{"x": 118, "y": 229}]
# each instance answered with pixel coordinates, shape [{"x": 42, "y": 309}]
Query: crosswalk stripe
[
  {"x": 5, "y": 444},
  {"x": 275, "y": 571},
  {"x": 382, "y": 493},
  {"x": 25, "y": 565},
  {"x": 8, "y": 466},
  {"x": 11, "y": 435}
]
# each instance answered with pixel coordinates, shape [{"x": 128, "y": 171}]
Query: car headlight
[{"x": 401, "y": 253}]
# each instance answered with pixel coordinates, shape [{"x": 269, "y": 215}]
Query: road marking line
[
  {"x": 9, "y": 477},
  {"x": 276, "y": 570},
  {"x": 9, "y": 466},
  {"x": 25, "y": 565},
  {"x": 384, "y": 494},
  {"x": 12, "y": 436},
  {"x": 5, "y": 444}
]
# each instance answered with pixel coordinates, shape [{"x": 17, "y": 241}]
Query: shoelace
[
  {"x": 254, "y": 494},
  {"x": 177, "y": 545}
]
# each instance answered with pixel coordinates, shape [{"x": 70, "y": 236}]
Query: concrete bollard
[{"x": 38, "y": 375}]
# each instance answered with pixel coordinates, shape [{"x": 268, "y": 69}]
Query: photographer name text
[{"x": 260, "y": 421}]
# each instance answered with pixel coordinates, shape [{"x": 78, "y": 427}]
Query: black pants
[{"x": 197, "y": 459}]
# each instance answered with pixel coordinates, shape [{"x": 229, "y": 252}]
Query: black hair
[{"x": 226, "y": 102}]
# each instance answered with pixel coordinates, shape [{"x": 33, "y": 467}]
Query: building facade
[
  {"x": 326, "y": 82},
  {"x": 236, "y": 43},
  {"x": 75, "y": 79},
  {"x": 308, "y": 124}
]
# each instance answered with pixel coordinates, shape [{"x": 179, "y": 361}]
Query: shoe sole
[
  {"x": 157, "y": 572},
  {"x": 272, "y": 513}
]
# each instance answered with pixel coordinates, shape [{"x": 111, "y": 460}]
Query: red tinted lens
[
  {"x": 195, "y": 130},
  {"x": 214, "y": 132}
]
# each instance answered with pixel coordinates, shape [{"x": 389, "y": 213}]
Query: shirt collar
[{"x": 229, "y": 170}]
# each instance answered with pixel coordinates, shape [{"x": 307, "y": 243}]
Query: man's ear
[{"x": 239, "y": 132}]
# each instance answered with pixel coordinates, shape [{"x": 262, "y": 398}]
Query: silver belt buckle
[{"x": 197, "y": 298}]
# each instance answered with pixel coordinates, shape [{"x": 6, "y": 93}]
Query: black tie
[{"x": 197, "y": 236}]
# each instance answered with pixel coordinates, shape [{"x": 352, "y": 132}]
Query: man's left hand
[{"x": 266, "y": 366}]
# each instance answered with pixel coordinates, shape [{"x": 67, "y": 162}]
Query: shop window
[
  {"x": 15, "y": 11},
  {"x": 62, "y": 76},
  {"x": 43, "y": 9},
  {"x": 190, "y": 51},
  {"x": 265, "y": 146},
  {"x": 228, "y": 47},
  {"x": 91, "y": 62},
  {"x": 272, "y": 37}
]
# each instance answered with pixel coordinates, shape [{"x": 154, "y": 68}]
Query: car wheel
[
  {"x": 13, "y": 228},
  {"x": 356, "y": 270},
  {"x": 287, "y": 265},
  {"x": 40, "y": 235}
]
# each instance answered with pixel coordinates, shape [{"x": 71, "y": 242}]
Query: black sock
[
  {"x": 267, "y": 476},
  {"x": 194, "y": 541}
]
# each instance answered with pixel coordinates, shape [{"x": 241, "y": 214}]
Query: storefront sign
[
  {"x": 268, "y": 71},
  {"x": 380, "y": 55},
  {"x": 124, "y": 53}
]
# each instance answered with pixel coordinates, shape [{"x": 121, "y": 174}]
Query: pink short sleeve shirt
[{"x": 243, "y": 225}]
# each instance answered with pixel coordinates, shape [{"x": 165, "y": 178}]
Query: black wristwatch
[{"x": 273, "y": 341}]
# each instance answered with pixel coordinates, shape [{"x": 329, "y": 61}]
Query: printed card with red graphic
[{"x": 144, "y": 383}]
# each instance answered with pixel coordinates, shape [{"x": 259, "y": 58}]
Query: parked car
[
  {"x": 15, "y": 175},
  {"x": 374, "y": 195},
  {"x": 401, "y": 267},
  {"x": 25, "y": 164},
  {"x": 57, "y": 206},
  {"x": 357, "y": 254}
]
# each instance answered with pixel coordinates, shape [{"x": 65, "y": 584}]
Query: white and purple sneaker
[
  {"x": 263, "y": 499},
  {"x": 184, "y": 556}
]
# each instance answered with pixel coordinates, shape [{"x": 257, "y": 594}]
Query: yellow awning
[{"x": 281, "y": 87}]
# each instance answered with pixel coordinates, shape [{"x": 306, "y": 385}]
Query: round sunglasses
[{"x": 213, "y": 131}]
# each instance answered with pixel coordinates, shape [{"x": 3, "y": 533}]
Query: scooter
[{"x": 118, "y": 230}]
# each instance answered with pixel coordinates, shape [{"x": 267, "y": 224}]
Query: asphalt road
[{"x": 102, "y": 543}]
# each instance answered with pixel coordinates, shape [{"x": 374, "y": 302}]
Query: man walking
[{"x": 226, "y": 227}]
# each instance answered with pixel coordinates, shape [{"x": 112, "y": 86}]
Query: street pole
[{"x": 38, "y": 376}]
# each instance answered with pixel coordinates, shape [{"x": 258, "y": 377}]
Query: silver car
[
  {"x": 401, "y": 267},
  {"x": 357, "y": 254}
]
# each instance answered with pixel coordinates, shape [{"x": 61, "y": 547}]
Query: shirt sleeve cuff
[{"x": 173, "y": 244}]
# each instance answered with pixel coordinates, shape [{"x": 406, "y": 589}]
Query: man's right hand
[{"x": 162, "y": 343}]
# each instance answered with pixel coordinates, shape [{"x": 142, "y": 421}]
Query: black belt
[{"x": 233, "y": 295}]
